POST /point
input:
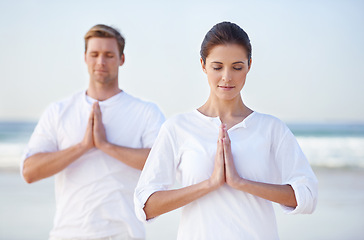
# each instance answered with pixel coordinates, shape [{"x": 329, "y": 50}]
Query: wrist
[
  {"x": 82, "y": 147},
  {"x": 212, "y": 184},
  {"x": 239, "y": 184},
  {"x": 104, "y": 146}
]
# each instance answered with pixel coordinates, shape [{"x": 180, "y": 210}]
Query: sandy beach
[{"x": 26, "y": 211}]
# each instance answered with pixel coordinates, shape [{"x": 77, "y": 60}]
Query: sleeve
[
  {"x": 159, "y": 171},
  {"x": 43, "y": 138},
  {"x": 154, "y": 120},
  {"x": 297, "y": 172}
]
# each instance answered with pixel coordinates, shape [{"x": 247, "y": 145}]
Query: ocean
[
  {"x": 325, "y": 145},
  {"x": 14, "y": 137}
]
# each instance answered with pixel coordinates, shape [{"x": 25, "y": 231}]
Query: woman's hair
[
  {"x": 222, "y": 34},
  {"x": 104, "y": 31}
]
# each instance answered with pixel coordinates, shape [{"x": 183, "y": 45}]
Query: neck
[
  {"x": 101, "y": 92},
  {"x": 227, "y": 110}
]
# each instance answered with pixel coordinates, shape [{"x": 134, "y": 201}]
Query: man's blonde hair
[{"x": 104, "y": 31}]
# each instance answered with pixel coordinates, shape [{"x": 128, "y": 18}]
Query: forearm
[
  {"x": 43, "y": 165},
  {"x": 165, "y": 201},
  {"x": 133, "y": 157},
  {"x": 282, "y": 194}
]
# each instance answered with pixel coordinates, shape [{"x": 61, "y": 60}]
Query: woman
[{"x": 231, "y": 161}]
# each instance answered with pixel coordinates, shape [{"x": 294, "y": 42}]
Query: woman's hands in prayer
[
  {"x": 231, "y": 174},
  {"x": 225, "y": 172},
  {"x": 217, "y": 178},
  {"x": 224, "y": 167}
]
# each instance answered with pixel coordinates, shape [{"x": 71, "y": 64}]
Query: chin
[
  {"x": 228, "y": 97},
  {"x": 102, "y": 80}
]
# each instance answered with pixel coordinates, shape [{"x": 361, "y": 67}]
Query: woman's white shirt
[{"x": 264, "y": 150}]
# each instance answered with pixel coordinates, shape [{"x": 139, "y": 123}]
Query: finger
[
  {"x": 91, "y": 118},
  {"x": 96, "y": 106},
  {"x": 220, "y": 148},
  {"x": 226, "y": 135},
  {"x": 221, "y": 131},
  {"x": 224, "y": 130},
  {"x": 222, "y": 161},
  {"x": 97, "y": 112},
  {"x": 226, "y": 150},
  {"x": 89, "y": 131},
  {"x": 224, "y": 147},
  {"x": 219, "y": 158},
  {"x": 220, "y": 155}
]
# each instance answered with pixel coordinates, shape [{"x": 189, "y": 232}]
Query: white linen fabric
[
  {"x": 264, "y": 150},
  {"x": 94, "y": 194},
  {"x": 124, "y": 236}
]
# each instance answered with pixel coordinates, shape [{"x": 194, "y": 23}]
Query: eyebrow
[
  {"x": 233, "y": 62},
  {"x": 108, "y": 52}
]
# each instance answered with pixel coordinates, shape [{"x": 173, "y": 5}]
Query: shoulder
[
  {"x": 180, "y": 123},
  {"x": 175, "y": 127},
  {"x": 140, "y": 103},
  {"x": 60, "y": 106},
  {"x": 269, "y": 123},
  {"x": 267, "y": 119},
  {"x": 70, "y": 100},
  {"x": 54, "y": 111},
  {"x": 180, "y": 119}
]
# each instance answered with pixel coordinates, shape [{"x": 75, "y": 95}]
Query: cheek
[
  {"x": 213, "y": 77},
  {"x": 241, "y": 76},
  {"x": 89, "y": 65},
  {"x": 112, "y": 62},
  {"x": 212, "y": 82},
  {"x": 90, "y": 62}
]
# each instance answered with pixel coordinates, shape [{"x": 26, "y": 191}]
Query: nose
[
  {"x": 226, "y": 76},
  {"x": 101, "y": 60}
]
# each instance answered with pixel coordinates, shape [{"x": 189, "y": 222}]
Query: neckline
[
  {"x": 108, "y": 102},
  {"x": 217, "y": 121}
]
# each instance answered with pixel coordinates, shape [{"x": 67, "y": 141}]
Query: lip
[
  {"x": 100, "y": 71},
  {"x": 226, "y": 88}
]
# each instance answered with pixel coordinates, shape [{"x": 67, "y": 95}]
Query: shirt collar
[
  {"x": 216, "y": 120},
  {"x": 108, "y": 102},
  {"x": 245, "y": 123}
]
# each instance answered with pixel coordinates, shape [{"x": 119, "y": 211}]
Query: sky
[{"x": 308, "y": 56}]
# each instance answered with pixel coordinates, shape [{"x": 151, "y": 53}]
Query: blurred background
[{"x": 308, "y": 59}]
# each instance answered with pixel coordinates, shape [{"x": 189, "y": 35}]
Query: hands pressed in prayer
[
  {"x": 224, "y": 167},
  {"x": 95, "y": 135}
]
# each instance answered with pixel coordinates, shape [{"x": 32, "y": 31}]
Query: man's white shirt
[{"x": 94, "y": 194}]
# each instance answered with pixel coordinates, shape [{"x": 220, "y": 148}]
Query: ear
[
  {"x": 85, "y": 56},
  {"x": 122, "y": 60},
  {"x": 250, "y": 64},
  {"x": 203, "y": 65}
]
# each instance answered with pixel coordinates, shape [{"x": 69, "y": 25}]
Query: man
[{"x": 95, "y": 143}]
